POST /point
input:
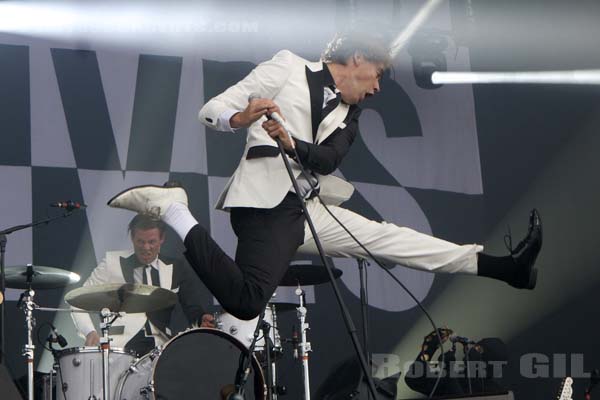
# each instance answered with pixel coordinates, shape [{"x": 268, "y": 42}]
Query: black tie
[
  {"x": 155, "y": 282},
  {"x": 153, "y": 275}
]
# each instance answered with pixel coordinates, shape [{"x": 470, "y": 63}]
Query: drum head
[{"x": 199, "y": 363}]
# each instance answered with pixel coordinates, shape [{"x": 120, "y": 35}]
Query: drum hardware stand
[
  {"x": 105, "y": 325},
  {"x": 27, "y": 305},
  {"x": 304, "y": 346},
  {"x": 245, "y": 366},
  {"x": 3, "y": 240},
  {"x": 270, "y": 364},
  {"x": 277, "y": 352}
]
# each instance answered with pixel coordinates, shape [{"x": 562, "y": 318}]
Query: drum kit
[{"x": 235, "y": 357}]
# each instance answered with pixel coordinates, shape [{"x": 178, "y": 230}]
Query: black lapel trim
[
  {"x": 262, "y": 151},
  {"x": 327, "y": 77},
  {"x": 315, "y": 87},
  {"x": 127, "y": 266}
]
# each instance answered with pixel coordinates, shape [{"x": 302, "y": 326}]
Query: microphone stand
[
  {"x": 245, "y": 364},
  {"x": 345, "y": 313},
  {"x": 364, "y": 304},
  {"x": 3, "y": 240}
]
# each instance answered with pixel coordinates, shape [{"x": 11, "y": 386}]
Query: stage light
[
  {"x": 427, "y": 52},
  {"x": 576, "y": 77},
  {"x": 175, "y": 28},
  {"x": 25, "y": 18}
]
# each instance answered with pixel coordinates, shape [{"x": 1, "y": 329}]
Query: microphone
[
  {"x": 274, "y": 116},
  {"x": 460, "y": 339},
  {"x": 68, "y": 205},
  {"x": 58, "y": 338}
]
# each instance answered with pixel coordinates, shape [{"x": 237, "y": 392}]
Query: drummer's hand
[
  {"x": 92, "y": 339},
  {"x": 207, "y": 321}
]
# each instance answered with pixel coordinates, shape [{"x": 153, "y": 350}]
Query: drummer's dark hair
[{"x": 145, "y": 222}]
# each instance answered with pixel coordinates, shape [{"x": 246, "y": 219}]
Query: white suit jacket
[
  {"x": 263, "y": 182},
  {"x": 109, "y": 271}
]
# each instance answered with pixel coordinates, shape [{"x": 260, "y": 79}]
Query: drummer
[{"x": 146, "y": 265}]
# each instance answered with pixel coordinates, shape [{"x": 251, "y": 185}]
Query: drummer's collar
[{"x": 153, "y": 264}]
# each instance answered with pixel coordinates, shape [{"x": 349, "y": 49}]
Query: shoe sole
[{"x": 140, "y": 187}]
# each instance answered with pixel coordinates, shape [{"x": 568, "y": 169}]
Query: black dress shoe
[{"x": 526, "y": 253}]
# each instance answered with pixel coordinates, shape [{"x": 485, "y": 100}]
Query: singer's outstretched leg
[{"x": 267, "y": 241}]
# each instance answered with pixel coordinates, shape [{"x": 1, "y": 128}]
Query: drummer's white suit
[{"x": 118, "y": 267}]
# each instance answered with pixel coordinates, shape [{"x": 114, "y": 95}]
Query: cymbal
[
  {"x": 42, "y": 278},
  {"x": 307, "y": 274},
  {"x": 121, "y": 297}
]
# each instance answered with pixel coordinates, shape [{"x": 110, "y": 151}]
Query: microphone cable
[{"x": 379, "y": 263}]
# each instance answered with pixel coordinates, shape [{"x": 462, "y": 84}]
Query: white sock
[{"x": 179, "y": 217}]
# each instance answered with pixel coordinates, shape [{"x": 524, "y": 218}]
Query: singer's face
[
  {"x": 146, "y": 244},
  {"x": 363, "y": 80}
]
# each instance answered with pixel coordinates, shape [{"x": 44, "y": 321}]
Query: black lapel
[
  {"x": 127, "y": 266},
  {"x": 315, "y": 87},
  {"x": 316, "y": 84}
]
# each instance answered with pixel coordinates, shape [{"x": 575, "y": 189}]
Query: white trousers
[{"x": 388, "y": 242}]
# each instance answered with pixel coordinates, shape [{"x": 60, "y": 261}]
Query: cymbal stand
[
  {"x": 27, "y": 305},
  {"x": 304, "y": 346},
  {"x": 277, "y": 352},
  {"x": 105, "y": 325},
  {"x": 266, "y": 327},
  {"x": 3, "y": 240}
]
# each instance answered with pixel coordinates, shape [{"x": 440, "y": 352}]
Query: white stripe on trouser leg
[{"x": 387, "y": 242}]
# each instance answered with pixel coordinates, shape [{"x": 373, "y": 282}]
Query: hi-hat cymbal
[
  {"x": 307, "y": 274},
  {"x": 41, "y": 277},
  {"x": 121, "y": 297}
]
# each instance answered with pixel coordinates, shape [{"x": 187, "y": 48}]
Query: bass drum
[{"x": 197, "y": 364}]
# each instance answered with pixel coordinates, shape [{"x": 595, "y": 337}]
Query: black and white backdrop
[{"x": 84, "y": 115}]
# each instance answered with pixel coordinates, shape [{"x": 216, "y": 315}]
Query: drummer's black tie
[
  {"x": 155, "y": 281},
  {"x": 153, "y": 276}
]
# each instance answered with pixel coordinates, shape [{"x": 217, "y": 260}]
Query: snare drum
[
  {"x": 79, "y": 372},
  {"x": 196, "y": 364}
]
